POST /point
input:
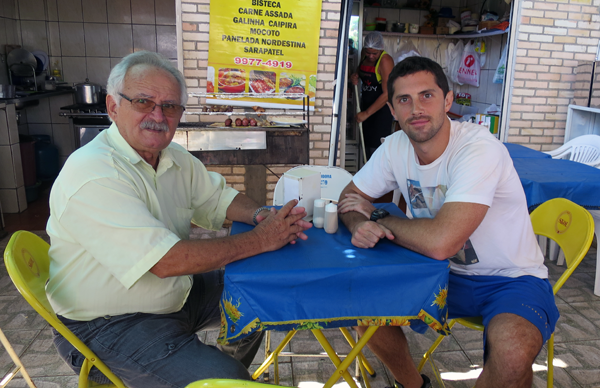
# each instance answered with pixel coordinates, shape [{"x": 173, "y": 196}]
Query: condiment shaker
[
  {"x": 331, "y": 218},
  {"x": 319, "y": 213}
]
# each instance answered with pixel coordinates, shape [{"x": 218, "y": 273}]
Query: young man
[{"x": 467, "y": 205}]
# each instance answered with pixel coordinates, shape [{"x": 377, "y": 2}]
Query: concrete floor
[{"x": 577, "y": 349}]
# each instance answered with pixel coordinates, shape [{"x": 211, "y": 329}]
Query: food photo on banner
[{"x": 266, "y": 50}]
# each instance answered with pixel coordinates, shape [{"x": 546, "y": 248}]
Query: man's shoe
[{"x": 426, "y": 383}]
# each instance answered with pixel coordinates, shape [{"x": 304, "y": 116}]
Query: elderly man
[
  {"x": 467, "y": 205},
  {"x": 123, "y": 275}
]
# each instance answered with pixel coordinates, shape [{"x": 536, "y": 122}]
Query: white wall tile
[
  {"x": 9, "y": 200},
  {"x": 58, "y": 102},
  {"x": 53, "y": 39},
  {"x": 120, "y": 39},
  {"x": 165, "y": 12},
  {"x": 143, "y": 12},
  {"x": 96, "y": 39},
  {"x": 11, "y": 32},
  {"x": 17, "y": 164},
  {"x": 72, "y": 39},
  {"x": 39, "y": 113},
  {"x": 98, "y": 70},
  {"x": 3, "y": 32},
  {"x": 34, "y": 35},
  {"x": 22, "y": 198},
  {"x": 52, "y": 8},
  {"x": 7, "y": 175},
  {"x": 63, "y": 139},
  {"x": 70, "y": 11},
  {"x": 3, "y": 128},
  {"x": 10, "y": 9},
  {"x": 95, "y": 11},
  {"x": 32, "y": 10},
  {"x": 40, "y": 129},
  {"x": 166, "y": 37},
  {"x": 74, "y": 69},
  {"x": 119, "y": 11},
  {"x": 11, "y": 119},
  {"x": 144, "y": 37},
  {"x": 114, "y": 62}
]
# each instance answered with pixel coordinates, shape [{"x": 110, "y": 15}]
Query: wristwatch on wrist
[
  {"x": 256, "y": 214},
  {"x": 378, "y": 214}
]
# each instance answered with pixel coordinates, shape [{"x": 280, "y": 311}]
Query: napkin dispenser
[{"x": 304, "y": 185}]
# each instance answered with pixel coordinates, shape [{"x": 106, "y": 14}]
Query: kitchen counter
[
  {"x": 30, "y": 98},
  {"x": 244, "y": 145}
]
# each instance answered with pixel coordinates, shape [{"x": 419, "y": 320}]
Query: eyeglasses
[{"x": 143, "y": 105}]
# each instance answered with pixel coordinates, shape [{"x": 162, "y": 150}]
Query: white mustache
[{"x": 153, "y": 125}]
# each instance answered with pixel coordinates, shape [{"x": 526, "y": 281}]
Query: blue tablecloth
[
  {"x": 547, "y": 178},
  {"x": 520, "y": 151},
  {"x": 326, "y": 282}
]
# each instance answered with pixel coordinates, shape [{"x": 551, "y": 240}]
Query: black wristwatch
[{"x": 379, "y": 214}]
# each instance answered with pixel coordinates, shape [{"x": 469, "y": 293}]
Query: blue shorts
[{"x": 487, "y": 296}]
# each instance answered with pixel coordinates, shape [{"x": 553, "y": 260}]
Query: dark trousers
[{"x": 163, "y": 350}]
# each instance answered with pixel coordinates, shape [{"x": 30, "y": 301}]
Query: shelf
[{"x": 454, "y": 36}]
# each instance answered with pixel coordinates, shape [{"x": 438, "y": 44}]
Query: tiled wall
[
  {"x": 12, "y": 185},
  {"x": 553, "y": 37},
  {"x": 84, "y": 39}
]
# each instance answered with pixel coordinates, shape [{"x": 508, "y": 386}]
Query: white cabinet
[{"x": 582, "y": 120}]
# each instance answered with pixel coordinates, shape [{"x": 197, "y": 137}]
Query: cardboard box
[
  {"x": 426, "y": 30},
  {"x": 443, "y": 22},
  {"x": 488, "y": 24},
  {"x": 442, "y": 30}
]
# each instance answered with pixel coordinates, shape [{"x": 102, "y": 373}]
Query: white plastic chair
[
  {"x": 333, "y": 181},
  {"x": 583, "y": 149}
]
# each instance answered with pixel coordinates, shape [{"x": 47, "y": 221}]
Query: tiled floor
[{"x": 577, "y": 349}]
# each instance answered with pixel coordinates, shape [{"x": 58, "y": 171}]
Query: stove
[{"x": 86, "y": 121}]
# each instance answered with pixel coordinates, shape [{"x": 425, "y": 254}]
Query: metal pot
[{"x": 87, "y": 93}]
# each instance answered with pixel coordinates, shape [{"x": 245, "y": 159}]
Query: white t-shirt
[{"x": 475, "y": 167}]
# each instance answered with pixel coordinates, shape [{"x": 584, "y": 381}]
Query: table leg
[
  {"x": 596, "y": 215},
  {"x": 273, "y": 356},
  {"x": 342, "y": 366},
  {"x": 361, "y": 356}
]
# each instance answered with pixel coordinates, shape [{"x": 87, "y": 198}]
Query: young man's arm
[{"x": 439, "y": 237}]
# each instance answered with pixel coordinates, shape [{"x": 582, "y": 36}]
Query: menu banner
[{"x": 264, "y": 48}]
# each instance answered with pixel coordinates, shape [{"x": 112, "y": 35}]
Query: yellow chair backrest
[
  {"x": 229, "y": 383},
  {"x": 570, "y": 225},
  {"x": 27, "y": 262}
]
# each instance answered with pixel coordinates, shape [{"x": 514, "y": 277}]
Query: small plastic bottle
[
  {"x": 319, "y": 213},
  {"x": 331, "y": 218}
]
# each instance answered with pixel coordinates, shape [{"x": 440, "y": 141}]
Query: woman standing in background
[{"x": 374, "y": 69}]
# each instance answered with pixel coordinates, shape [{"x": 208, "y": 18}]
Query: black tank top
[{"x": 379, "y": 124}]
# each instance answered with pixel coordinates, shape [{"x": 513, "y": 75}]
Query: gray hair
[
  {"x": 374, "y": 41},
  {"x": 117, "y": 75}
]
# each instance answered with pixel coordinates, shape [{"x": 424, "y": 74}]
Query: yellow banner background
[{"x": 266, "y": 47}]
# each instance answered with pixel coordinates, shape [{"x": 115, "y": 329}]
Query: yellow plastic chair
[
  {"x": 27, "y": 262},
  {"x": 228, "y": 383},
  {"x": 572, "y": 228}
]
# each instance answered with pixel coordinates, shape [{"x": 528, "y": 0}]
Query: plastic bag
[
  {"x": 470, "y": 68},
  {"x": 453, "y": 56},
  {"x": 501, "y": 69},
  {"x": 407, "y": 49}
]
